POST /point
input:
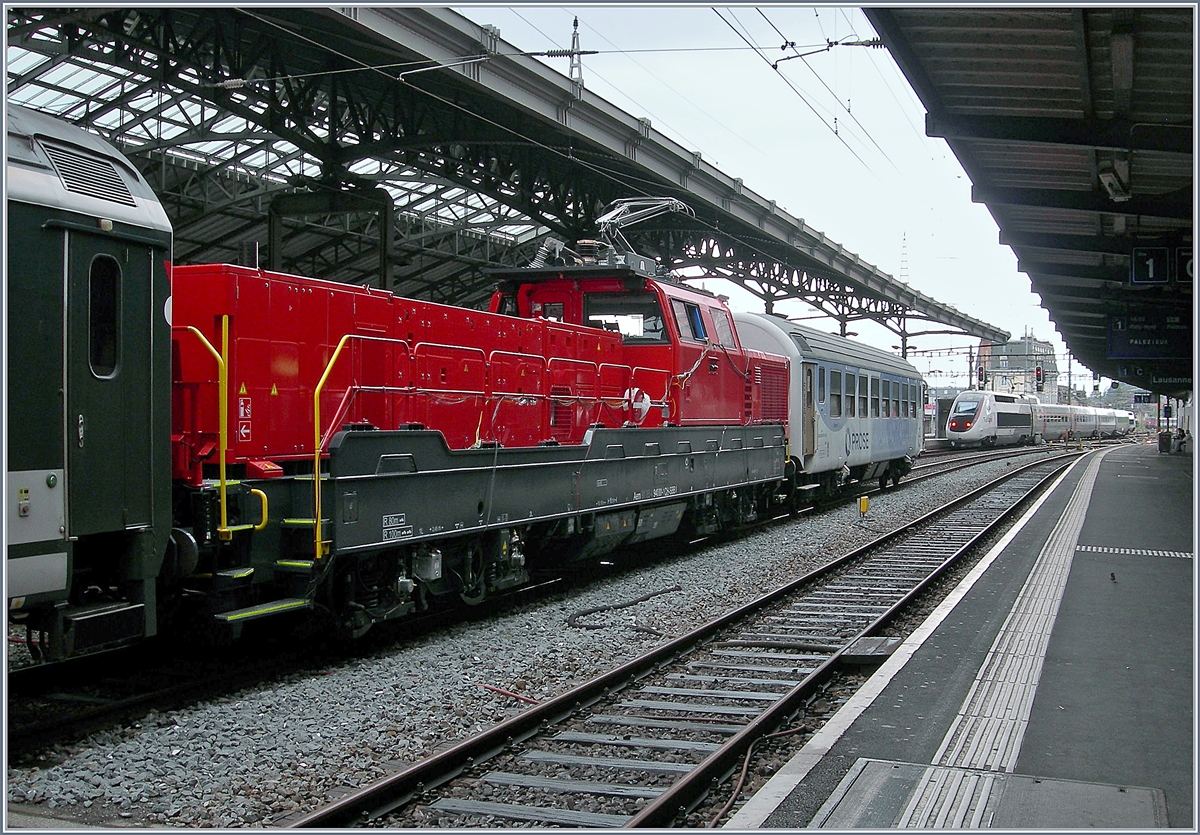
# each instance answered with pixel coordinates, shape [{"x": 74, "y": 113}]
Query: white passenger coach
[{"x": 854, "y": 412}]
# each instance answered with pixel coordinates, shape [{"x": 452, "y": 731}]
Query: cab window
[
  {"x": 688, "y": 320},
  {"x": 552, "y": 311},
  {"x": 636, "y": 316},
  {"x": 723, "y": 326},
  {"x": 964, "y": 407},
  {"x": 506, "y": 305}
]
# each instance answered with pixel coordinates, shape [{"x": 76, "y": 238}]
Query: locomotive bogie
[{"x": 410, "y": 521}]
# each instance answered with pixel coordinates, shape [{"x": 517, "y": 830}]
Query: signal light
[
  {"x": 1038, "y": 377},
  {"x": 982, "y": 373}
]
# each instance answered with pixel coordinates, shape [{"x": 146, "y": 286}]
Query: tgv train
[
  {"x": 988, "y": 418},
  {"x": 854, "y": 411}
]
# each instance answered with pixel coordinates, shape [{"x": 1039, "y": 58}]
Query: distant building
[{"x": 1012, "y": 368}]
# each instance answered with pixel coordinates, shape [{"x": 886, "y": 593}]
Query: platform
[{"x": 1054, "y": 688}]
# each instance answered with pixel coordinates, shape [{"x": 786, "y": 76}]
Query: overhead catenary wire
[
  {"x": 799, "y": 95},
  {"x": 721, "y": 123},
  {"x": 830, "y": 46},
  {"x": 888, "y": 84}
]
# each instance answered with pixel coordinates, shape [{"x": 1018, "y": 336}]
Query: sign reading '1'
[{"x": 1159, "y": 264}]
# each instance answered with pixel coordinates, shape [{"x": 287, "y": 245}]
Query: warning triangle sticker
[
  {"x": 274, "y": 391},
  {"x": 243, "y": 390}
]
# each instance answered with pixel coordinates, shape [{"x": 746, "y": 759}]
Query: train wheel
[{"x": 357, "y": 624}]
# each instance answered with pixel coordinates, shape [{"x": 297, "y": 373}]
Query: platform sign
[
  {"x": 1183, "y": 264},
  {"x": 1150, "y": 265},
  {"x": 1141, "y": 398},
  {"x": 1152, "y": 335}
]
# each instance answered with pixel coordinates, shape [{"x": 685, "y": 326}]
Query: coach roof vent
[{"x": 89, "y": 175}]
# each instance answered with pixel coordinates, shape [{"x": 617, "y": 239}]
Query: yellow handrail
[
  {"x": 262, "y": 497},
  {"x": 223, "y": 531},
  {"x": 319, "y": 547}
]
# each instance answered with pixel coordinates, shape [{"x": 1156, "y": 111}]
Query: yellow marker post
[{"x": 864, "y": 504}]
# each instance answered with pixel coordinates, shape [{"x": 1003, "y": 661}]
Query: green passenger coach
[{"x": 88, "y": 480}]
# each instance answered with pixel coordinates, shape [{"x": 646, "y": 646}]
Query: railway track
[
  {"x": 51, "y": 703},
  {"x": 648, "y": 742}
]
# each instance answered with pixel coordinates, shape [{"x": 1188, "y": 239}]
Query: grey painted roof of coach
[
  {"x": 832, "y": 348},
  {"x": 33, "y": 179}
]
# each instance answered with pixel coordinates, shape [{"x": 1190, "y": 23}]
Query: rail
[{"x": 940, "y": 543}]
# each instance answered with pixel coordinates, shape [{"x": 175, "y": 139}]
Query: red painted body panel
[{"x": 474, "y": 376}]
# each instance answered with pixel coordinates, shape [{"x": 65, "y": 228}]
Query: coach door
[
  {"x": 108, "y": 403},
  {"x": 809, "y": 420}
]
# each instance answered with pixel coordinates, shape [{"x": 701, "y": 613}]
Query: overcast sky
[{"x": 877, "y": 185}]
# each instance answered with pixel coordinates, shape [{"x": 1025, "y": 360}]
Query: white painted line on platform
[
  {"x": 990, "y": 726},
  {"x": 758, "y": 808}
]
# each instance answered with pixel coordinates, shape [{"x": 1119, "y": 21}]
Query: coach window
[
  {"x": 912, "y": 396},
  {"x": 904, "y": 400},
  {"x": 722, "y": 326},
  {"x": 104, "y": 315},
  {"x": 849, "y": 395},
  {"x": 874, "y": 397},
  {"x": 835, "y": 393},
  {"x": 886, "y": 398},
  {"x": 821, "y": 385},
  {"x": 862, "y": 396},
  {"x": 895, "y": 398},
  {"x": 687, "y": 318}
]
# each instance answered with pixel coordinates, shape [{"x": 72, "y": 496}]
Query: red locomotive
[
  {"x": 549, "y": 362},
  {"x": 594, "y": 405}
]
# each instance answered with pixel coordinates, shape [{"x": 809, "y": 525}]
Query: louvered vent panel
[{"x": 88, "y": 175}]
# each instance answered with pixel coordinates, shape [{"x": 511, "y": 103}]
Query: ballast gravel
[{"x": 257, "y": 757}]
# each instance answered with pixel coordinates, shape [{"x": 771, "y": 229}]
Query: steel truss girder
[
  {"x": 313, "y": 79},
  {"x": 774, "y": 280},
  {"x": 218, "y": 47}
]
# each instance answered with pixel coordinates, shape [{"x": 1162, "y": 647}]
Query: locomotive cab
[{"x": 686, "y": 364}]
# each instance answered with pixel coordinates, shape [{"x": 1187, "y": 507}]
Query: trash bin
[{"x": 1164, "y": 442}]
